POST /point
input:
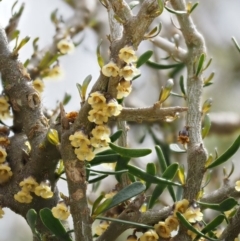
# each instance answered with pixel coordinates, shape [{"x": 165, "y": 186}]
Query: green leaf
[
  {"x": 102, "y": 207},
  {"x": 193, "y": 7},
  {"x": 116, "y": 135},
  {"x": 85, "y": 84},
  {"x": 125, "y": 194},
  {"x": 175, "y": 148},
  {"x": 52, "y": 136},
  {"x": 224, "y": 206},
  {"x": 96, "y": 203},
  {"x": 149, "y": 178},
  {"x": 162, "y": 66},
  {"x": 200, "y": 64},
  {"x": 144, "y": 58},
  {"x": 226, "y": 155},
  {"x": 227, "y": 204},
  {"x": 154, "y": 32},
  {"x": 206, "y": 125},
  {"x": 161, "y": 158},
  {"x": 121, "y": 165},
  {"x": 97, "y": 179},
  {"x": 178, "y": 12},
  {"x": 53, "y": 224},
  {"x": 151, "y": 170},
  {"x": 107, "y": 172},
  {"x": 67, "y": 97},
  {"x": 109, "y": 158},
  {"x": 212, "y": 225},
  {"x": 32, "y": 220},
  {"x": 140, "y": 225},
  {"x": 206, "y": 81},
  {"x": 99, "y": 57},
  {"x": 183, "y": 221},
  {"x": 182, "y": 87},
  {"x": 168, "y": 174},
  {"x": 127, "y": 152}
]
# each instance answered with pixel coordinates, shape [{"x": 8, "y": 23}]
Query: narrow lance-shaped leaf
[
  {"x": 181, "y": 174},
  {"x": 207, "y": 105},
  {"x": 207, "y": 80},
  {"x": 178, "y": 12},
  {"x": 107, "y": 172},
  {"x": 133, "y": 4},
  {"x": 99, "y": 57},
  {"x": 151, "y": 169},
  {"x": 161, "y": 158},
  {"x": 116, "y": 135},
  {"x": 96, "y": 203},
  {"x": 183, "y": 221},
  {"x": 85, "y": 84},
  {"x": 53, "y": 224},
  {"x": 226, "y": 155},
  {"x": 168, "y": 174},
  {"x": 138, "y": 172},
  {"x": 162, "y": 66},
  {"x": 206, "y": 126},
  {"x": 175, "y": 148},
  {"x": 154, "y": 32},
  {"x": 182, "y": 87},
  {"x": 193, "y": 7},
  {"x": 126, "y": 193},
  {"x": 97, "y": 179},
  {"x": 109, "y": 158},
  {"x": 103, "y": 206},
  {"x": 140, "y": 225},
  {"x": 52, "y": 136},
  {"x": 127, "y": 152},
  {"x": 200, "y": 64},
  {"x": 144, "y": 58},
  {"x": 212, "y": 225}
]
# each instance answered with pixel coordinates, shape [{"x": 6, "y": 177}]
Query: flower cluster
[
  {"x": 150, "y": 235},
  {"x": 102, "y": 108},
  {"x": 101, "y": 228},
  {"x": 4, "y": 106},
  {"x": 82, "y": 144},
  {"x": 128, "y": 72},
  {"x": 5, "y": 169},
  {"x": 61, "y": 211},
  {"x": 31, "y": 185}
]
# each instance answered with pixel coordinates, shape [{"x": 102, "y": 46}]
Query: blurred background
[{"x": 217, "y": 20}]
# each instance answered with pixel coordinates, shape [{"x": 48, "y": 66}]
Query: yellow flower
[
  {"x": 110, "y": 69},
  {"x": 3, "y": 154},
  {"x": 172, "y": 223},
  {"x": 55, "y": 72},
  {"x": 129, "y": 72},
  {"x": 85, "y": 153},
  {"x": 43, "y": 190},
  {"x": 237, "y": 186},
  {"x": 132, "y": 237},
  {"x": 97, "y": 100},
  {"x": 28, "y": 184},
  {"x": 124, "y": 88},
  {"x": 61, "y": 211},
  {"x": 112, "y": 108},
  {"x": 95, "y": 142},
  {"x": 181, "y": 206},
  {"x": 1, "y": 212},
  {"x": 79, "y": 139},
  {"x": 5, "y": 172},
  {"x": 4, "y": 141},
  {"x": 101, "y": 132},
  {"x": 162, "y": 230},
  {"x": 150, "y": 235},
  {"x": 38, "y": 85},
  {"x": 127, "y": 54},
  {"x": 65, "y": 46},
  {"x": 97, "y": 116},
  {"x": 4, "y": 106},
  {"x": 23, "y": 197},
  {"x": 103, "y": 225},
  {"x": 193, "y": 215}
]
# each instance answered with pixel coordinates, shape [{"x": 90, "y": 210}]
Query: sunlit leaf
[
  {"x": 53, "y": 224},
  {"x": 127, "y": 152},
  {"x": 144, "y": 58},
  {"x": 102, "y": 207},
  {"x": 99, "y": 57},
  {"x": 97, "y": 202},
  {"x": 52, "y": 136},
  {"x": 226, "y": 155},
  {"x": 85, "y": 84},
  {"x": 181, "y": 174}
]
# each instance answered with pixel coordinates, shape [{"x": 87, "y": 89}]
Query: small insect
[{"x": 183, "y": 136}]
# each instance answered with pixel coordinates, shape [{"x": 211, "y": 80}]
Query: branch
[
  {"x": 171, "y": 48},
  {"x": 153, "y": 113}
]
